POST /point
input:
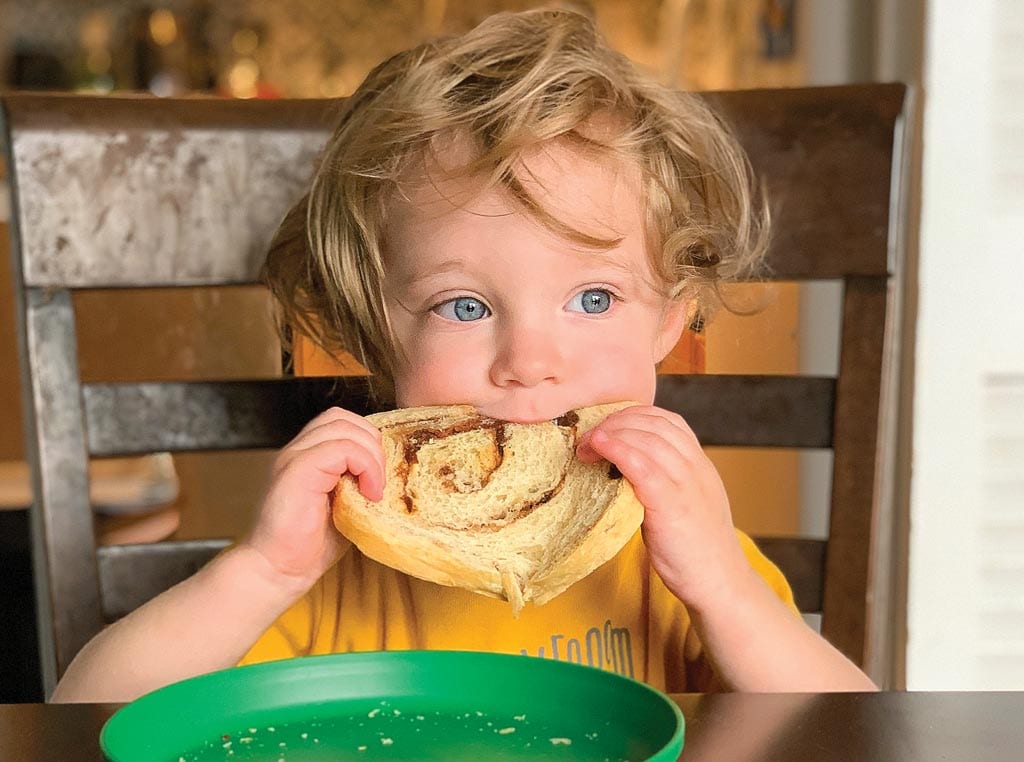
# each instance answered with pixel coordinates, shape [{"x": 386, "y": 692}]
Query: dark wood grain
[
  {"x": 57, "y": 111},
  {"x": 802, "y": 561},
  {"x": 853, "y": 727},
  {"x": 130, "y": 575},
  {"x": 826, "y": 159},
  {"x": 841, "y": 727},
  {"x": 851, "y": 525},
  {"x": 193, "y": 416},
  {"x": 752, "y": 411},
  {"x": 129, "y": 418},
  {"x": 52, "y": 732}
]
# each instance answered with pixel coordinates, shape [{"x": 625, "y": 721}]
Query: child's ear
[{"x": 673, "y": 321}]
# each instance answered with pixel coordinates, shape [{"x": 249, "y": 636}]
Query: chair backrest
[{"x": 139, "y": 192}]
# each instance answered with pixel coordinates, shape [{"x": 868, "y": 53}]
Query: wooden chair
[{"x": 137, "y": 192}]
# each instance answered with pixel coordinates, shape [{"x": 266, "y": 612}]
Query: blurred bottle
[
  {"x": 159, "y": 52},
  {"x": 243, "y": 78},
  {"x": 202, "y": 59},
  {"x": 94, "y": 67}
]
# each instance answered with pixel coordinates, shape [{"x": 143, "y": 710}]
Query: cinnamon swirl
[{"x": 503, "y": 509}]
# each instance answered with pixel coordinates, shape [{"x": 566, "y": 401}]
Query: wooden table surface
[{"x": 902, "y": 727}]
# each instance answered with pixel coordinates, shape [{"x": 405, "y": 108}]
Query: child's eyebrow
[
  {"x": 446, "y": 266},
  {"x": 609, "y": 260},
  {"x": 600, "y": 260}
]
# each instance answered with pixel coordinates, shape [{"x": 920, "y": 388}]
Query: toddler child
[{"x": 518, "y": 220}]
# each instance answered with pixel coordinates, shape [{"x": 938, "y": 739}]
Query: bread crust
[{"x": 530, "y": 547}]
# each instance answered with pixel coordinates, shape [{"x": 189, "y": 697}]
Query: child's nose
[{"x": 527, "y": 356}]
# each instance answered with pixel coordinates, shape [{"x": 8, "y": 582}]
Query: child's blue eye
[
  {"x": 593, "y": 301},
  {"x": 464, "y": 309}
]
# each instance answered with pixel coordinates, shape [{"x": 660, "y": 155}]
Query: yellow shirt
[{"x": 621, "y": 618}]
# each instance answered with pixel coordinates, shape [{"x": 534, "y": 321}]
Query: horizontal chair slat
[
  {"x": 189, "y": 416},
  {"x": 55, "y": 112},
  {"x": 802, "y": 562},
  {"x": 752, "y": 411},
  {"x": 129, "y": 580},
  {"x": 140, "y": 191},
  {"x": 130, "y": 575}
]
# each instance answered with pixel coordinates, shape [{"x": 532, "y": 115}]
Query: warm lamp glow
[{"x": 163, "y": 27}]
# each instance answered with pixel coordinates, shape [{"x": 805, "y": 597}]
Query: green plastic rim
[{"x": 399, "y": 705}]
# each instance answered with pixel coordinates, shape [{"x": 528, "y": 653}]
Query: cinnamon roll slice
[{"x": 503, "y": 509}]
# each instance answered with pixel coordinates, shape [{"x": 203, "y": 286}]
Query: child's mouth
[{"x": 521, "y": 416}]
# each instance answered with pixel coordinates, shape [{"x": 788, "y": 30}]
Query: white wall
[{"x": 966, "y": 586}]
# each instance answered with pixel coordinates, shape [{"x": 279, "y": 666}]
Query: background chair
[{"x": 137, "y": 192}]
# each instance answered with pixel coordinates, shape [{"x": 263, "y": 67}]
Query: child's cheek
[
  {"x": 614, "y": 366},
  {"x": 439, "y": 372}
]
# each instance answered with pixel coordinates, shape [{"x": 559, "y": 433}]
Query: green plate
[{"x": 399, "y": 705}]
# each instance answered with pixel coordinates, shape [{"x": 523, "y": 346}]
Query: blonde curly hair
[{"x": 511, "y": 84}]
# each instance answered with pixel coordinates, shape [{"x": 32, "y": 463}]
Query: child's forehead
[
  {"x": 597, "y": 193},
  {"x": 445, "y": 220}
]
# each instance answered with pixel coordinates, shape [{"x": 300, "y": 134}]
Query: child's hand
[
  {"x": 294, "y": 532},
  {"x": 687, "y": 525}
]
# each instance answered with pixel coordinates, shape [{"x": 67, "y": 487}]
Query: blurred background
[
  {"x": 323, "y": 48},
  {"x": 313, "y": 48}
]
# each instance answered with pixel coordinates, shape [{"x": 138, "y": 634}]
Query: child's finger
[
  {"x": 659, "y": 431},
  {"x": 654, "y": 471},
  {"x": 585, "y": 450},
  {"x": 336, "y": 429},
  {"x": 660, "y": 417},
  {"x": 662, "y": 430},
  {"x": 672, "y": 425},
  {"x": 640, "y": 452},
  {"x": 329, "y": 417},
  {"x": 318, "y": 469}
]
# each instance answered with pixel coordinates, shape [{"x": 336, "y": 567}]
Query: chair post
[
  {"x": 67, "y": 584},
  {"x": 849, "y": 585}
]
